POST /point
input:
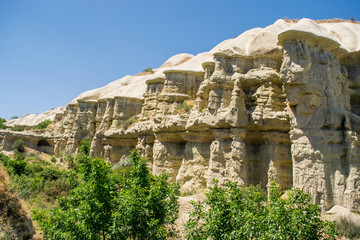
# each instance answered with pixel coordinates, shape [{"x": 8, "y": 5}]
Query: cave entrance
[
  {"x": 44, "y": 146},
  {"x": 43, "y": 143}
]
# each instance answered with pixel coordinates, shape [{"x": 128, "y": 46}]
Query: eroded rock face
[{"x": 275, "y": 104}]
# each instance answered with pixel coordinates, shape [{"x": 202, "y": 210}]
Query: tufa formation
[{"x": 280, "y": 103}]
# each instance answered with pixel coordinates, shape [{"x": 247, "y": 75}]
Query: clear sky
[{"x": 53, "y": 50}]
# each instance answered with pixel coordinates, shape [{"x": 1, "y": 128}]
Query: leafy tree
[
  {"x": 146, "y": 206},
  {"x": 86, "y": 212},
  {"x": 246, "y": 213},
  {"x": 101, "y": 206}
]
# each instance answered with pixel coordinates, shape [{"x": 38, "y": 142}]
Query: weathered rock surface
[{"x": 280, "y": 103}]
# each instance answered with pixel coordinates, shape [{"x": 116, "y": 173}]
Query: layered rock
[{"x": 275, "y": 104}]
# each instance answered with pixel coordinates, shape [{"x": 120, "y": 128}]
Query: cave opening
[{"x": 43, "y": 143}]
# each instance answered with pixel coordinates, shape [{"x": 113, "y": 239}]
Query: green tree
[
  {"x": 146, "y": 206},
  {"x": 86, "y": 212},
  {"x": 246, "y": 213},
  {"x": 102, "y": 206}
]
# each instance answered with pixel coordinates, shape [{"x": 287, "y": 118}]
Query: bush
[
  {"x": 85, "y": 146},
  {"x": 2, "y": 121},
  {"x": 43, "y": 125},
  {"x": 4, "y": 159},
  {"x": 17, "y": 166},
  {"x": 18, "y": 146},
  {"x": 102, "y": 207},
  {"x": 53, "y": 159},
  {"x": 148, "y": 69},
  {"x": 17, "y": 128},
  {"x": 246, "y": 213}
]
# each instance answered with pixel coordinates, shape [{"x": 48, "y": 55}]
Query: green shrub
[
  {"x": 4, "y": 159},
  {"x": 17, "y": 166},
  {"x": 33, "y": 169},
  {"x": 51, "y": 173},
  {"x": 16, "y": 128},
  {"x": 53, "y": 159},
  {"x": 246, "y": 213},
  {"x": 2, "y": 121},
  {"x": 85, "y": 146},
  {"x": 100, "y": 207},
  {"x": 18, "y": 146},
  {"x": 43, "y": 125},
  {"x": 148, "y": 69}
]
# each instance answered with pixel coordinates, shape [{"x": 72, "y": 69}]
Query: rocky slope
[{"x": 279, "y": 103}]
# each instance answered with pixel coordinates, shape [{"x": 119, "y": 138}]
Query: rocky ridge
[{"x": 279, "y": 103}]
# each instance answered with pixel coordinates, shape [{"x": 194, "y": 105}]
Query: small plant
[
  {"x": 16, "y": 128},
  {"x": 148, "y": 70},
  {"x": 185, "y": 106},
  {"x": 43, "y": 125},
  {"x": 14, "y": 117},
  {"x": 53, "y": 159},
  {"x": 18, "y": 146}
]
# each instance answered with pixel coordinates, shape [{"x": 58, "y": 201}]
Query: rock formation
[{"x": 280, "y": 103}]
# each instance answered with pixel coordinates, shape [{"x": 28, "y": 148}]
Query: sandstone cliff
[{"x": 280, "y": 103}]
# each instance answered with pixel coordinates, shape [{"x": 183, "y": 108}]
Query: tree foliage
[
  {"x": 247, "y": 213},
  {"x": 103, "y": 206}
]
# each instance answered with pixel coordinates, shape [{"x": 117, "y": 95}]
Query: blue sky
[{"x": 53, "y": 50}]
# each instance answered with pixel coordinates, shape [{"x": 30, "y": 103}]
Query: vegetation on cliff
[{"x": 2, "y": 125}]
